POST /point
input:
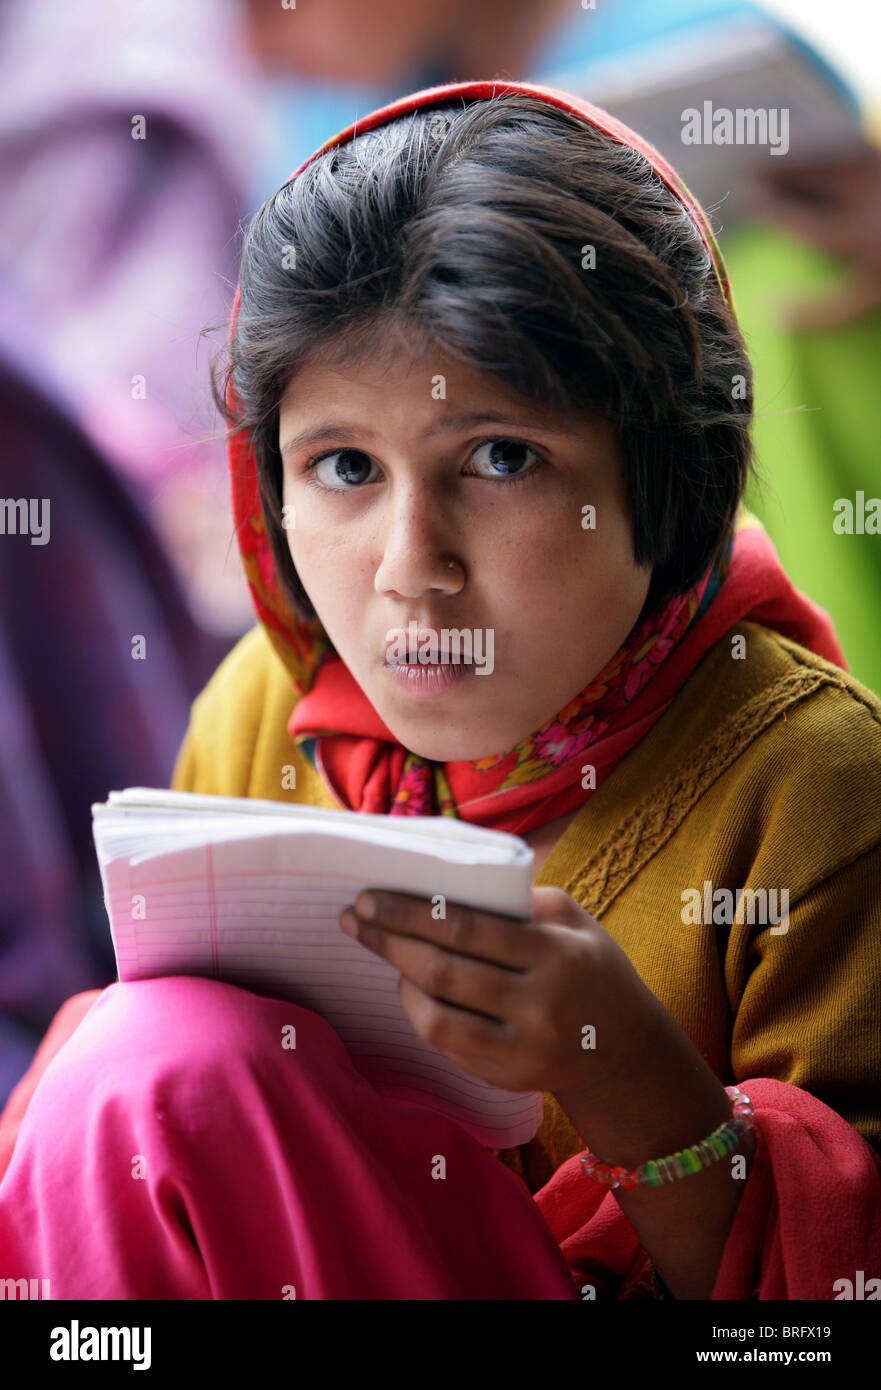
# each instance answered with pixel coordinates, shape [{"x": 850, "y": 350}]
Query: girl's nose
[{"x": 419, "y": 551}]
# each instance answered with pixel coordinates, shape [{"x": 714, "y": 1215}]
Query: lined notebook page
[{"x": 261, "y": 910}]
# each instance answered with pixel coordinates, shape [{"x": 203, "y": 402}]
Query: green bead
[{"x": 651, "y": 1172}]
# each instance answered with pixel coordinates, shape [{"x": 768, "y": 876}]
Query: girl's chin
[{"x": 430, "y": 741}]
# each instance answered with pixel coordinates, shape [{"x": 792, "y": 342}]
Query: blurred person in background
[
  {"x": 126, "y": 137},
  {"x": 810, "y": 271},
  {"x": 124, "y": 180},
  {"x": 99, "y": 661}
]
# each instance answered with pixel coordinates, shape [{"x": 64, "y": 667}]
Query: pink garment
[
  {"x": 143, "y": 224},
  {"x": 187, "y": 1082},
  {"x": 265, "y": 1169}
]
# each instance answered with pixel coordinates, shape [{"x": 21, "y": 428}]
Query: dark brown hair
[{"x": 468, "y": 222}]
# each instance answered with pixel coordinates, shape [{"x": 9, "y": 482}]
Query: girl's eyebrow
[{"x": 449, "y": 423}]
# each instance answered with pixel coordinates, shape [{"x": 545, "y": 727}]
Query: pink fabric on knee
[{"x": 174, "y": 1148}]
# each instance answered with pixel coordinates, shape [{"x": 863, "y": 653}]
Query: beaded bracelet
[{"x": 657, "y": 1171}]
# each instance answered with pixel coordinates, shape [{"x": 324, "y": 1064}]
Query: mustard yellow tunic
[{"x": 764, "y": 773}]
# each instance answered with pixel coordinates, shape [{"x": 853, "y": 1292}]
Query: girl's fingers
[
  {"x": 509, "y": 942},
  {"x": 443, "y": 975},
  {"x": 479, "y": 1045}
]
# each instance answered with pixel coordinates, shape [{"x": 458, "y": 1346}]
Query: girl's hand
[
  {"x": 547, "y": 1004},
  {"x": 509, "y": 1002}
]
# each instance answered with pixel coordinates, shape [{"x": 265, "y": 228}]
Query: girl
[{"x": 484, "y": 375}]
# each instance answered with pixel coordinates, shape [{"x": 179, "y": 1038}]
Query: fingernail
[
  {"x": 349, "y": 922},
  {"x": 365, "y": 905}
]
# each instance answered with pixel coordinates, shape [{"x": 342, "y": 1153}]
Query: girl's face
[{"x": 424, "y": 461}]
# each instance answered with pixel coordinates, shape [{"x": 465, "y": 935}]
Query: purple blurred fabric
[
  {"x": 127, "y": 248},
  {"x": 78, "y": 715}
]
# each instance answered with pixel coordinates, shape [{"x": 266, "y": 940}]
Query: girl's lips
[{"x": 424, "y": 679}]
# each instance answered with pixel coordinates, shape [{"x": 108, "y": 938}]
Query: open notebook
[{"x": 251, "y": 891}]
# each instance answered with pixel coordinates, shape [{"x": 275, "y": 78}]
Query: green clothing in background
[{"x": 817, "y": 429}]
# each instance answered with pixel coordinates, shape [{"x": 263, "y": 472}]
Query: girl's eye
[
  {"x": 343, "y": 469},
  {"x": 506, "y": 454}
]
